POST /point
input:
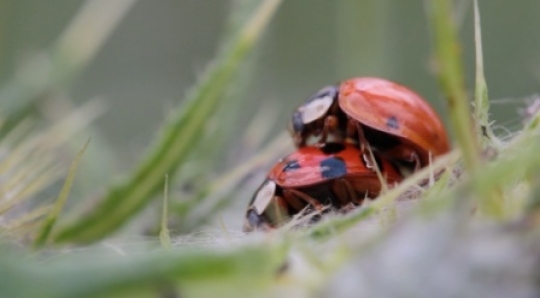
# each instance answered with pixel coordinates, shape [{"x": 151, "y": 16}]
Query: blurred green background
[{"x": 160, "y": 47}]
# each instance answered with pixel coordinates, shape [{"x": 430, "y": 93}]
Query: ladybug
[
  {"x": 334, "y": 174},
  {"x": 375, "y": 112}
]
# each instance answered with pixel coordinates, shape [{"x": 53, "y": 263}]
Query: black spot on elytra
[
  {"x": 332, "y": 148},
  {"x": 392, "y": 122},
  {"x": 333, "y": 167},
  {"x": 291, "y": 166}
]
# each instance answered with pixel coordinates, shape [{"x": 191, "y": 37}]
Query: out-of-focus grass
[
  {"x": 226, "y": 272},
  {"x": 31, "y": 161},
  {"x": 452, "y": 79},
  {"x": 180, "y": 135},
  {"x": 43, "y": 235},
  {"x": 441, "y": 240},
  {"x": 481, "y": 101},
  {"x": 75, "y": 48}
]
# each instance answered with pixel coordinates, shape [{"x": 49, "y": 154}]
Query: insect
[
  {"x": 375, "y": 112},
  {"x": 334, "y": 174}
]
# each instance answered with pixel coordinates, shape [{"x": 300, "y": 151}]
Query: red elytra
[
  {"x": 395, "y": 109},
  {"x": 387, "y": 116},
  {"x": 333, "y": 174}
]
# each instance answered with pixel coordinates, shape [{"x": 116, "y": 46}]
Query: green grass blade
[
  {"x": 481, "y": 102},
  {"x": 96, "y": 275},
  {"x": 452, "y": 80},
  {"x": 30, "y": 218},
  {"x": 180, "y": 135},
  {"x": 164, "y": 236},
  {"x": 52, "y": 217},
  {"x": 76, "y": 47}
]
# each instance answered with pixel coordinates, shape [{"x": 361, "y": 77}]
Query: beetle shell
[
  {"x": 334, "y": 174},
  {"x": 396, "y": 110},
  {"x": 314, "y": 165}
]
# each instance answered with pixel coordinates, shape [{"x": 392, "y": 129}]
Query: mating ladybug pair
[{"x": 334, "y": 131}]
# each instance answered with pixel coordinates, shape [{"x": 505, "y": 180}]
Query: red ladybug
[
  {"x": 333, "y": 174},
  {"x": 375, "y": 112}
]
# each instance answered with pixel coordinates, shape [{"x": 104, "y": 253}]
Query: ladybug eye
[{"x": 264, "y": 196}]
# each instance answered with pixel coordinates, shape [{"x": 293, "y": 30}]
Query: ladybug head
[{"x": 314, "y": 110}]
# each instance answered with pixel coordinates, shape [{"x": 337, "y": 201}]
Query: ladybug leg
[
  {"x": 298, "y": 140},
  {"x": 345, "y": 192},
  {"x": 354, "y": 130},
  {"x": 293, "y": 201},
  {"x": 292, "y": 193},
  {"x": 405, "y": 153},
  {"x": 331, "y": 124},
  {"x": 350, "y": 131}
]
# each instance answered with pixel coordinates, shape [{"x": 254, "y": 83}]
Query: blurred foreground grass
[{"x": 472, "y": 233}]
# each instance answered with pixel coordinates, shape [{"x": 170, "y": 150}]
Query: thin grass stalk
[
  {"x": 251, "y": 267},
  {"x": 48, "y": 224},
  {"x": 452, "y": 80},
  {"x": 83, "y": 38},
  {"x": 481, "y": 101},
  {"x": 164, "y": 236}
]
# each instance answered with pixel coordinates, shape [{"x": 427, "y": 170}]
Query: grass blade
[
  {"x": 179, "y": 137},
  {"x": 29, "y": 218},
  {"x": 79, "y": 43},
  {"x": 52, "y": 217},
  {"x": 452, "y": 80},
  {"x": 248, "y": 267},
  {"x": 481, "y": 102},
  {"x": 164, "y": 236}
]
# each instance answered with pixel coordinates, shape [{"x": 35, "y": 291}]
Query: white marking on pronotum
[
  {"x": 264, "y": 197},
  {"x": 316, "y": 108}
]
